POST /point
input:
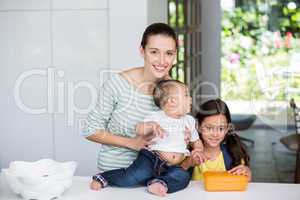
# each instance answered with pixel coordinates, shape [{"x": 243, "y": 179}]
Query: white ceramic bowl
[{"x": 43, "y": 180}]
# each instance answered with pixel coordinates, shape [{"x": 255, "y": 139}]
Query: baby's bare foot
[
  {"x": 158, "y": 189},
  {"x": 95, "y": 185}
]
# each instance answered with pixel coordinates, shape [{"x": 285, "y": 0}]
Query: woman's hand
[
  {"x": 150, "y": 129},
  {"x": 242, "y": 170},
  {"x": 157, "y": 130},
  {"x": 145, "y": 133},
  {"x": 141, "y": 142}
]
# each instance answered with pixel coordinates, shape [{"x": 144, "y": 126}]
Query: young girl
[{"x": 221, "y": 144}]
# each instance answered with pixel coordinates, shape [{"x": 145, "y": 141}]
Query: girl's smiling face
[
  {"x": 213, "y": 130},
  {"x": 159, "y": 55}
]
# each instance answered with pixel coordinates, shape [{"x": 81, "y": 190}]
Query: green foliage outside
[{"x": 259, "y": 52}]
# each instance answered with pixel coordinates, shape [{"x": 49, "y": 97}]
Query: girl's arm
[
  {"x": 197, "y": 145},
  {"x": 192, "y": 160},
  {"x": 242, "y": 170},
  {"x": 198, "y": 153},
  {"x": 186, "y": 164}
]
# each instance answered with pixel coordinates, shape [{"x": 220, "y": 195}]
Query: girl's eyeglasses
[{"x": 212, "y": 128}]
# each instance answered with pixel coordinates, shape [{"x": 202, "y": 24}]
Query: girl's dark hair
[
  {"x": 158, "y": 29},
  {"x": 233, "y": 143}
]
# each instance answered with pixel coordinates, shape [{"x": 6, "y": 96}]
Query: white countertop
[{"x": 80, "y": 190}]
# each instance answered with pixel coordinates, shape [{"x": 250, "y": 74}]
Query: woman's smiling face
[
  {"x": 213, "y": 130},
  {"x": 159, "y": 55}
]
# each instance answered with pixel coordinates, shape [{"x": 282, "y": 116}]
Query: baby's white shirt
[{"x": 173, "y": 141}]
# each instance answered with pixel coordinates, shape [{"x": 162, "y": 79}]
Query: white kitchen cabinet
[
  {"x": 84, "y": 35},
  {"x": 25, "y": 47},
  {"x": 57, "y": 53}
]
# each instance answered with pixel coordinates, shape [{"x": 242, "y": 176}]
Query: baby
[{"x": 158, "y": 166}]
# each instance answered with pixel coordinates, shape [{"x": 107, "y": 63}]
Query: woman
[{"x": 126, "y": 98}]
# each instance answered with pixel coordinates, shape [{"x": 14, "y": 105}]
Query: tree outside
[
  {"x": 261, "y": 50},
  {"x": 261, "y": 58}
]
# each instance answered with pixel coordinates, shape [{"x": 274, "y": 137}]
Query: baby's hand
[
  {"x": 157, "y": 130},
  {"x": 95, "y": 185},
  {"x": 241, "y": 170},
  {"x": 199, "y": 156},
  {"x": 187, "y": 135}
]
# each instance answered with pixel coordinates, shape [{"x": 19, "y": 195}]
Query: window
[{"x": 185, "y": 18}]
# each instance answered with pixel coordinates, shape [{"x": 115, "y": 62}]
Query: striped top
[{"x": 120, "y": 106}]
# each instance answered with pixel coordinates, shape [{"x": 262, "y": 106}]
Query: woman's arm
[
  {"x": 105, "y": 137},
  {"x": 95, "y": 127}
]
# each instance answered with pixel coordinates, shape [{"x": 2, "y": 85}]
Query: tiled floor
[{"x": 270, "y": 160}]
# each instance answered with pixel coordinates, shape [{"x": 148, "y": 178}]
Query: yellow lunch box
[{"x": 224, "y": 181}]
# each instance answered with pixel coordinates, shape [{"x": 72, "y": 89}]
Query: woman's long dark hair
[
  {"x": 158, "y": 29},
  {"x": 233, "y": 143}
]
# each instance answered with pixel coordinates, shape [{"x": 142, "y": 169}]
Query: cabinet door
[
  {"x": 24, "y": 58},
  {"x": 79, "y": 4},
  {"x": 80, "y": 53}
]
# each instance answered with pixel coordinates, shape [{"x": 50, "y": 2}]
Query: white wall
[
  {"x": 61, "y": 48},
  {"x": 25, "y": 45},
  {"x": 128, "y": 20}
]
